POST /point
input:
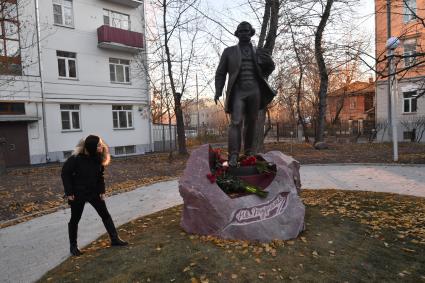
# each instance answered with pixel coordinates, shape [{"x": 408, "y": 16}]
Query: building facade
[
  {"x": 407, "y": 25},
  {"x": 353, "y": 105},
  {"x": 70, "y": 68}
]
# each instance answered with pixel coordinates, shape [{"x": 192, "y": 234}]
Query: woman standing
[{"x": 82, "y": 177}]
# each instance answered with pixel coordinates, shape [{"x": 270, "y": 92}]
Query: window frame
[
  {"x": 67, "y": 59},
  {"x": 125, "y": 68},
  {"x": 125, "y": 149},
  {"x": 409, "y": 61},
  {"x": 110, "y": 14},
  {"x": 117, "y": 116},
  {"x": 63, "y": 19},
  {"x": 408, "y": 97},
  {"x": 12, "y": 108},
  {"x": 7, "y": 61},
  {"x": 353, "y": 102},
  {"x": 69, "y": 112},
  {"x": 408, "y": 15}
]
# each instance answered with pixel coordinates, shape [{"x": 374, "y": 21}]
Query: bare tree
[
  {"x": 267, "y": 40},
  {"x": 324, "y": 79},
  {"x": 415, "y": 126}
]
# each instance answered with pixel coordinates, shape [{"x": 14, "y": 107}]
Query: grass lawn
[{"x": 349, "y": 237}]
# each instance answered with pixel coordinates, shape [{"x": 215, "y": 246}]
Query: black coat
[
  {"x": 82, "y": 176},
  {"x": 230, "y": 63}
]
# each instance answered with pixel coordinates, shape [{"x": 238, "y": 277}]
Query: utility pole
[
  {"x": 392, "y": 43},
  {"x": 389, "y": 64}
]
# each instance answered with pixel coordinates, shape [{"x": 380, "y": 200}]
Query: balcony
[
  {"x": 129, "y": 3},
  {"x": 119, "y": 39}
]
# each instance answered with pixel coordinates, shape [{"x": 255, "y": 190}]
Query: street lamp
[{"x": 392, "y": 44}]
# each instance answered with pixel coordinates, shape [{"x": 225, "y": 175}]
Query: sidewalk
[{"x": 30, "y": 249}]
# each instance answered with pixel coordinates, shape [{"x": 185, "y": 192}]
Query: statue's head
[{"x": 244, "y": 31}]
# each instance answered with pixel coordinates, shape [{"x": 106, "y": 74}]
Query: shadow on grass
[{"x": 344, "y": 241}]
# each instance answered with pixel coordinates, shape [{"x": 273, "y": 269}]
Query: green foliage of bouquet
[{"x": 233, "y": 184}]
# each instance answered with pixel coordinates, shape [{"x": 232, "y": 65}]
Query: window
[
  {"x": 67, "y": 64},
  {"x": 10, "y": 53},
  {"x": 119, "y": 70},
  {"x": 353, "y": 103},
  {"x": 409, "y": 135},
  {"x": 116, "y": 20},
  {"x": 122, "y": 116},
  {"x": 7, "y": 108},
  {"x": 70, "y": 116},
  {"x": 62, "y": 13},
  {"x": 409, "y": 10},
  {"x": 409, "y": 52},
  {"x": 409, "y": 102},
  {"x": 124, "y": 150}
]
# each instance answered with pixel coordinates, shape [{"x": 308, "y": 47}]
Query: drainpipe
[
  {"x": 147, "y": 80},
  {"x": 40, "y": 70}
]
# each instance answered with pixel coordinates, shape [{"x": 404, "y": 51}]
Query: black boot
[
  {"x": 72, "y": 232},
  {"x": 113, "y": 234}
]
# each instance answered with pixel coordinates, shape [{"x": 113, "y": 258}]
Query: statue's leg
[
  {"x": 235, "y": 127},
  {"x": 250, "y": 123}
]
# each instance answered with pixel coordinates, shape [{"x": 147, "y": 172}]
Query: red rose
[
  {"x": 211, "y": 177},
  {"x": 249, "y": 161}
]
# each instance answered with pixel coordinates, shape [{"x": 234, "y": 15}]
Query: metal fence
[
  {"x": 352, "y": 130},
  {"x": 164, "y": 137}
]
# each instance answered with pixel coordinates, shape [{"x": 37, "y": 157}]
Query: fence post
[
  {"x": 277, "y": 131},
  {"x": 175, "y": 136},
  {"x": 163, "y": 137}
]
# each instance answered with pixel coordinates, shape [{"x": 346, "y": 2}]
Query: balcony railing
[
  {"x": 119, "y": 39},
  {"x": 130, "y": 3}
]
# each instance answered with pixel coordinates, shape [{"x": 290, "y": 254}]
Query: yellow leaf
[{"x": 234, "y": 276}]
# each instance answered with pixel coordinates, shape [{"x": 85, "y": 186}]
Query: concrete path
[
  {"x": 405, "y": 179},
  {"x": 30, "y": 249}
]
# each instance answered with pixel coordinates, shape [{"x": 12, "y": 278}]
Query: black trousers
[{"x": 77, "y": 208}]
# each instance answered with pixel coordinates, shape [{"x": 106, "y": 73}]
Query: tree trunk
[
  {"x": 299, "y": 87},
  {"x": 339, "y": 105},
  {"x": 181, "y": 138},
  {"x": 270, "y": 19},
  {"x": 176, "y": 95},
  {"x": 324, "y": 80}
]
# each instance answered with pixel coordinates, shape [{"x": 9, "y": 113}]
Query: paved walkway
[{"x": 30, "y": 249}]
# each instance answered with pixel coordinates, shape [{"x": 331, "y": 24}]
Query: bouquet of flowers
[{"x": 230, "y": 183}]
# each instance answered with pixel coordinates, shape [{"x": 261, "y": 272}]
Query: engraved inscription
[{"x": 260, "y": 212}]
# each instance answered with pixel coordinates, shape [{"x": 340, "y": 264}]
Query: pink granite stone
[{"x": 210, "y": 211}]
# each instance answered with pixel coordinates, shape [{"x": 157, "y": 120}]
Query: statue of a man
[{"x": 247, "y": 89}]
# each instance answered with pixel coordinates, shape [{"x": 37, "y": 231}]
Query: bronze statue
[{"x": 247, "y": 89}]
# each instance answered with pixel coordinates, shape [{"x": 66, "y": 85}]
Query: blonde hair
[{"x": 105, "y": 157}]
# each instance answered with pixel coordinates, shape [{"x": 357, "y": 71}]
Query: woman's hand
[
  {"x": 71, "y": 197},
  {"x": 102, "y": 196}
]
